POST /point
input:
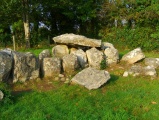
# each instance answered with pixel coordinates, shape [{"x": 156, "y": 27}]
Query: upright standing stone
[
  {"x": 5, "y": 65},
  {"x": 112, "y": 55},
  {"x": 44, "y": 54},
  {"x": 60, "y": 51},
  {"x": 70, "y": 63},
  {"x": 51, "y": 67},
  {"x": 26, "y": 67},
  {"x": 133, "y": 56},
  {"x": 82, "y": 58},
  {"x": 105, "y": 45},
  {"x": 94, "y": 57}
]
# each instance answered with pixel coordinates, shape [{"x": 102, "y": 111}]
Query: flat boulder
[
  {"x": 91, "y": 78},
  {"x": 1, "y": 95},
  {"x": 5, "y": 65},
  {"x": 133, "y": 56},
  {"x": 94, "y": 57},
  {"x": 60, "y": 51},
  {"x": 70, "y": 63},
  {"x": 72, "y": 39},
  {"x": 51, "y": 67},
  {"x": 25, "y": 67},
  {"x": 153, "y": 62},
  {"x": 137, "y": 70}
]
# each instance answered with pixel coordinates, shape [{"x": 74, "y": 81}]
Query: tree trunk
[
  {"x": 26, "y": 22},
  {"x": 13, "y": 42}
]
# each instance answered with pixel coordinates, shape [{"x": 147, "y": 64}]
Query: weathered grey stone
[
  {"x": 72, "y": 50},
  {"x": 44, "y": 54},
  {"x": 112, "y": 55},
  {"x": 105, "y": 45},
  {"x": 91, "y": 78},
  {"x": 70, "y": 63},
  {"x": 72, "y": 39},
  {"x": 5, "y": 65},
  {"x": 51, "y": 67},
  {"x": 153, "y": 62},
  {"x": 82, "y": 58},
  {"x": 137, "y": 70},
  {"x": 60, "y": 51},
  {"x": 133, "y": 56},
  {"x": 94, "y": 57},
  {"x": 1, "y": 95},
  {"x": 26, "y": 67}
]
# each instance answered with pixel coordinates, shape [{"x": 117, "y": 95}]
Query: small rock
[
  {"x": 62, "y": 79},
  {"x": 125, "y": 74},
  {"x": 56, "y": 78},
  {"x": 61, "y": 75}
]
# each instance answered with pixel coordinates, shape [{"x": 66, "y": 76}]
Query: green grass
[
  {"x": 131, "y": 98},
  {"x": 119, "y": 99}
]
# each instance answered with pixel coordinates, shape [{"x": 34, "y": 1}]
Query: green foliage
[
  {"x": 103, "y": 63},
  {"x": 132, "y": 38},
  {"x": 120, "y": 99},
  {"x": 8, "y": 98}
]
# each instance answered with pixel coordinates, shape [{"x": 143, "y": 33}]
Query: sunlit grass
[{"x": 131, "y": 98}]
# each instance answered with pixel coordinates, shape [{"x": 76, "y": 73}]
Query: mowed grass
[{"x": 131, "y": 98}]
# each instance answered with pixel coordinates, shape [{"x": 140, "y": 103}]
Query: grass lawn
[{"x": 131, "y": 98}]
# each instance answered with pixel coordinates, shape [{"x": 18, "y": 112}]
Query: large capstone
[
  {"x": 70, "y": 63},
  {"x": 26, "y": 67},
  {"x": 133, "y": 56},
  {"x": 91, "y": 78},
  {"x": 60, "y": 51},
  {"x": 94, "y": 57},
  {"x": 72, "y": 39},
  {"x": 51, "y": 67},
  {"x": 5, "y": 65}
]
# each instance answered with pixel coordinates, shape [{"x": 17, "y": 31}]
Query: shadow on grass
[
  {"x": 113, "y": 78},
  {"x": 20, "y": 93}
]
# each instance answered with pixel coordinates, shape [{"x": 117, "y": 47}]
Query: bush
[
  {"x": 132, "y": 38},
  {"x": 8, "y": 98},
  {"x": 103, "y": 63}
]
